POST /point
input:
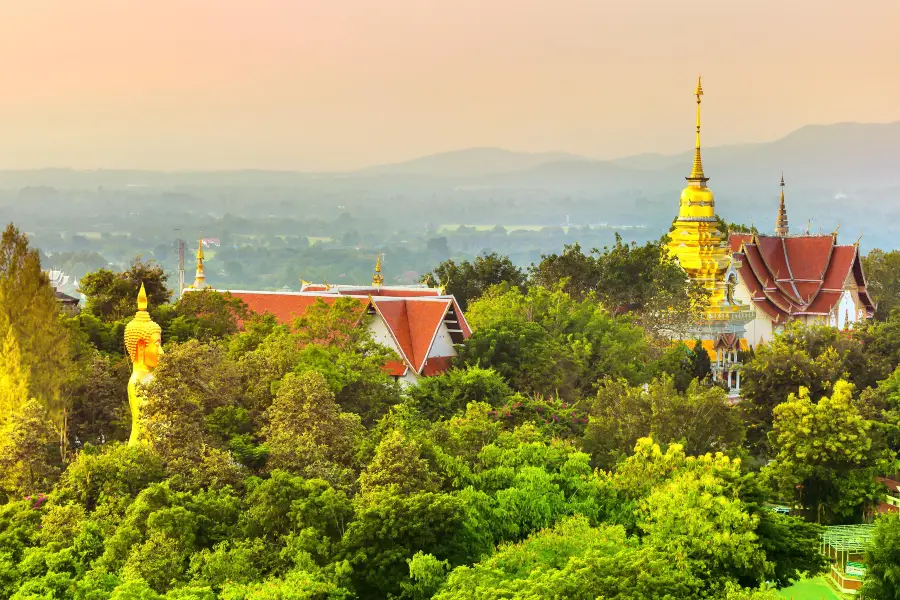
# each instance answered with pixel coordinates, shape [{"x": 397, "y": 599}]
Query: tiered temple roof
[{"x": 797, "y": 276}]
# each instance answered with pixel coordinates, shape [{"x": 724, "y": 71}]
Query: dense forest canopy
[{"x": 572, "y": 451}]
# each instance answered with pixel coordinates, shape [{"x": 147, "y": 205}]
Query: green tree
[
  {"x": 467, "y": 281},
  {"x": 13, "y": 378},
  {"x": 203, "y": 315},
  {"x": 445, "y": 395},
  {"x": 28, "y": 309},
  {"x": 883, "y": 280},
  {"x": 580, "y": 271},
  {"x": 391, "y": 528},
  {"x": 27, "y": 447},
  {"x": 307, "y": 433},
  {"x": 113, "y": 296},
  {"x": 575, "y": 561},
  {"x": 701, "y": 419},
  {"x": 547, "y": 342},
  {"x": 826, "y": 458},
  {"x": 701, "y": 365},
  {"x": 642, "y": 280},
  {"x": 811, "y": 357},
  {"x": 397, "y": 466},
  {"x": 99, "y": 415},
  {"x": 190, "y": 384},
  {"x": 882, "y": 580},
  {"x": 692, "y": 518}
]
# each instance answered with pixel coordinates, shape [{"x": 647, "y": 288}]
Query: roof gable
[{"x": 414, "y": 325}]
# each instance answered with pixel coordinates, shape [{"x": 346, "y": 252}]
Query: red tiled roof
[
  {"x": 286, "y": 306},
  {"x": 842, "y": 260},
  {"x": 809, "y": 256},
  {"x": 437, "y": 365},
  {"x": 736, "y": 239},
  {"x": 396, "y": 368},
  {"x": 789, "y": 276},
  {"x": 413, "y": 321}
]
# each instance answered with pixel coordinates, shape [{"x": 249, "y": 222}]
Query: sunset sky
[{"x": 339, "y": 84}]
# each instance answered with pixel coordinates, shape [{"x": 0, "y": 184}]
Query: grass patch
[{"x": 812, "y": 589}]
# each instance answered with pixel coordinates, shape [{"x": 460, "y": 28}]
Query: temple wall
[
  {"x": 761, "y": 326},
  {"x": 443, "y": 344},
  {"x": 382, "y": 335}
]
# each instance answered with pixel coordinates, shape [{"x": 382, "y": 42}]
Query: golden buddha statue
[{"x": 143, "y": 341}]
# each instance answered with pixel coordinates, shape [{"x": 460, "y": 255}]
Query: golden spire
[
  {"x": 697, "y": 175},
  {"x": 378, "y": 277},
  {"x": 142, "y": 298},
  {"x": 781, "y": 223},
  {"x": 200, "y": 277}
]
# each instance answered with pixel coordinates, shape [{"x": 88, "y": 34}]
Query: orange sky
[{"x": 332, "y": 84}]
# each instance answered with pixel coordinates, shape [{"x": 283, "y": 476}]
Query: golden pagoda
[
  {"x": 696, "y": 241},
  {"x": 200, "y": 277}
]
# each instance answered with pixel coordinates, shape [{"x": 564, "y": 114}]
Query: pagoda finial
[
  {"x": 781, "y": 223},
  {"x": 142, "y": 298},
  {"x": 378, "y": 277},
  {"x": 836, "y": 229},
  {"x": 697, "y": 175},
  {"x": 200, "y": 277}
]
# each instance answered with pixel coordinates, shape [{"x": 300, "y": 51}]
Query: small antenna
[{"x": 180, "y": 243}]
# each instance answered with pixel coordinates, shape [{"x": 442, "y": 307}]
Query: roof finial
[
  {"x": 781, "y": 223},
  {"x": 836, "y": 229},
  {"x": 142, "y": 298},
  {"x": 697, "y": 175},
  {"x": 378, "y": 277}
]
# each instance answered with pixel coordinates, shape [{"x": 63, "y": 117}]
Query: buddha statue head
[{"x": 143, "y": 336}]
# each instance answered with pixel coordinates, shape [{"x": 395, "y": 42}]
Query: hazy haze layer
[{"x": 316, "y": 85}]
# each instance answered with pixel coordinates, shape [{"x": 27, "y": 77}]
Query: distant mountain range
[
  {"x": 841, "y": 156},
  {"x": 844, "y": 154}
]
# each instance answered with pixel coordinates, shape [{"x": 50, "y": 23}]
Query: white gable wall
[
  {"x": 761, "y": 325},
  {"x": 382, "y": 335},
  {"x": 443, "y": 344}
]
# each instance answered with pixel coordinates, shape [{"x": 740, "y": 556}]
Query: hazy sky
[{"x": 332, "y": 84}]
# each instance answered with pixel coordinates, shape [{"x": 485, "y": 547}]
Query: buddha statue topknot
[{"x": 143, "y": 341}]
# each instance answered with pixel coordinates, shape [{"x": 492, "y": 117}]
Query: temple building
[
  {"x": 758, "y": 283},
  {"x": 702, "y": 249},
  {"x": 422, "y": 325},
  {"x": 806, "y": 278}
]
